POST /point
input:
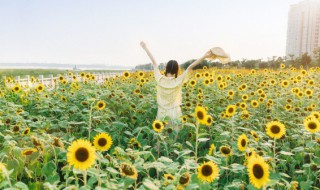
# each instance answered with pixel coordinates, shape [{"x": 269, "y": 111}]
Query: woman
[{"x": 169, "y": 85}]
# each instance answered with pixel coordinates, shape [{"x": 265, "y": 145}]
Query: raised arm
[
  {"x": 144, "y": 46},
  {"x": 198, "y": 61}
]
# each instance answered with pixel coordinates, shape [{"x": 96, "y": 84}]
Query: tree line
[{"x": 304, "y": 60}]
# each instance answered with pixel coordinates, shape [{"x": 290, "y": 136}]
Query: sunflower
[
  {"x": 275, "y": 129},
  {"x": 201, "y": 114},
  {"x": 258, "y": 171},
  {"x": 245, "y": 97},
  {"x": 183, "y": 119},
  {"x": 102, "y": 142},
  {"x": 141, "y": 74},
  {"x": 57, "y": 142},
  {"x": 254, "y": 103},
  {"x": 16, "y": 128},
  {"x": 134, "y": 143},
  {"x": 101, "y": 105},
  {"x": 208, "y": 172},
  {"x": 316, "y": 114},
  {"x": 128, "y": 171},
  {"x": 208, "y": 120},
  {"x": 40, "y": 88},
  {"x": 249, "y": 152},
  {"x": 230, "y": 92},
  {"x": 81, "y": 154},
  {"x": 255, "y": 135},
  {"x": 29, "y": 151},
  {"x": 169, "y": 176},
  {"x": 16, "y": 88},
  {"x": 26, "y": 131},
  {"x": 285, "y": 83},
  {"x": 192, "y": 83},
  {"x": 206, "y": 82},
  {"x": 211, "y": 149},
  {"x": 225, "y": 150},
  {"x": 157, "y": 126},
  {"x": 184, "y": 179},
  {"x": 312, "y": 124},
  {"x": 242, "y": 142},
  {"x": 231, "y": 110},
  {"x": 243, "y": 105},
  {"x": 282, "y": 65},
  {"x": 126, "y": 74},
  {"x": 309, "y": 92},
  {"x": 288, "y": 107}
]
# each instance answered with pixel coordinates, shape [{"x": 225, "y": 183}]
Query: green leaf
[
  {"x": 112, "y": 170},
  {"x": 49, "y": 169},
  {"x": 203, "y": 139},
  {"x": 298, "y": 149},
  {"x": 150, "y": 185},
  {"x": 286, "y": 153},
  {"x": 21, "y": 186},
  {"x": 305, "y": 185},
  {"x": 285, "y": 175}
]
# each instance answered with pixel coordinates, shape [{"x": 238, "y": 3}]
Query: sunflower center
[
  {"x": 40, "y": 87},
  {"x": 225, "y": 150},
  {"x": 128, "y": 170},
  {"x": 16, "y": 88},
  {"x": 275, "y": 129},
  {"x": 82, "y": 154},
  {"x": 102, "y": 142},
  {"x": 209, "y": 120},
  {"x": 184, "y": 179},
  {"x": 170, "y": 177},
  {"x": 28, "y": 152},
  {"x": 243, "y": 142},
  {"x": 26, "y": 132},
  {"x": 158, "y": 126},
  {"x": 257, "y": 171},
  {"x": 200, "y": 115},
  {"x": 312, "y": 125},
  {"x": 230, "y": 110},
  {"x": 100, "y": 105},
  {"x": 206, "y": 170}
]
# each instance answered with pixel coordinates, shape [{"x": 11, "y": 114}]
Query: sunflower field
[{"x": 240, "y": 129}]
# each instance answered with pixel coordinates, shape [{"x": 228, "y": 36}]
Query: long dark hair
[{"x": 172, "y": 68}]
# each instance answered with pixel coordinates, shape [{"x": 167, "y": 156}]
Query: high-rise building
[{"x": 303, "y": 28}]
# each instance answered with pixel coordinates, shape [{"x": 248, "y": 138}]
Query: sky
[{"x": 108, "y": 32}]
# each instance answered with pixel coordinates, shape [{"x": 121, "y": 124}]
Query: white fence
[{"x": 50, "y": 81}]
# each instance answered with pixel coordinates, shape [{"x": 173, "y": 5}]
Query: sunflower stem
[
  {"x": 99, "y": 177},
  {"x": 196, "y": 147},
  {"x": 90, "y": 120},
  {"x": 158, "y": 145},
  {"x": 85, "y": 177},
  {"x": 274, "y": 151}
]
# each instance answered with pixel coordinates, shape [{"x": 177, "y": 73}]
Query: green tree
[
  {"x": 305, "y": 60},
  {"x": 316, "y": 53}
]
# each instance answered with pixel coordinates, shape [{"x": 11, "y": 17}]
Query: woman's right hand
[
  {"x": 143, "y": 45},
  {"x": 208, "y": 54}
]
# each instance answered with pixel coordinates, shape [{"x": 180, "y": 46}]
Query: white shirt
[{"x": 169, "y": 90}]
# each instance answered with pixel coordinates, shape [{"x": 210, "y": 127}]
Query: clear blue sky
[{"x": 109, "y": 31}]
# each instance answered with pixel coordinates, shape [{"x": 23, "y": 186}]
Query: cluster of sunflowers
[{"x": 241, "y": 129}]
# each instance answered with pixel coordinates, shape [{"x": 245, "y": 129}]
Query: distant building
[{"x": 303, "y": 28}]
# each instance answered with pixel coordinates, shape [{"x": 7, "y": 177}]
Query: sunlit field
[{"x": 240, "y": 129}]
